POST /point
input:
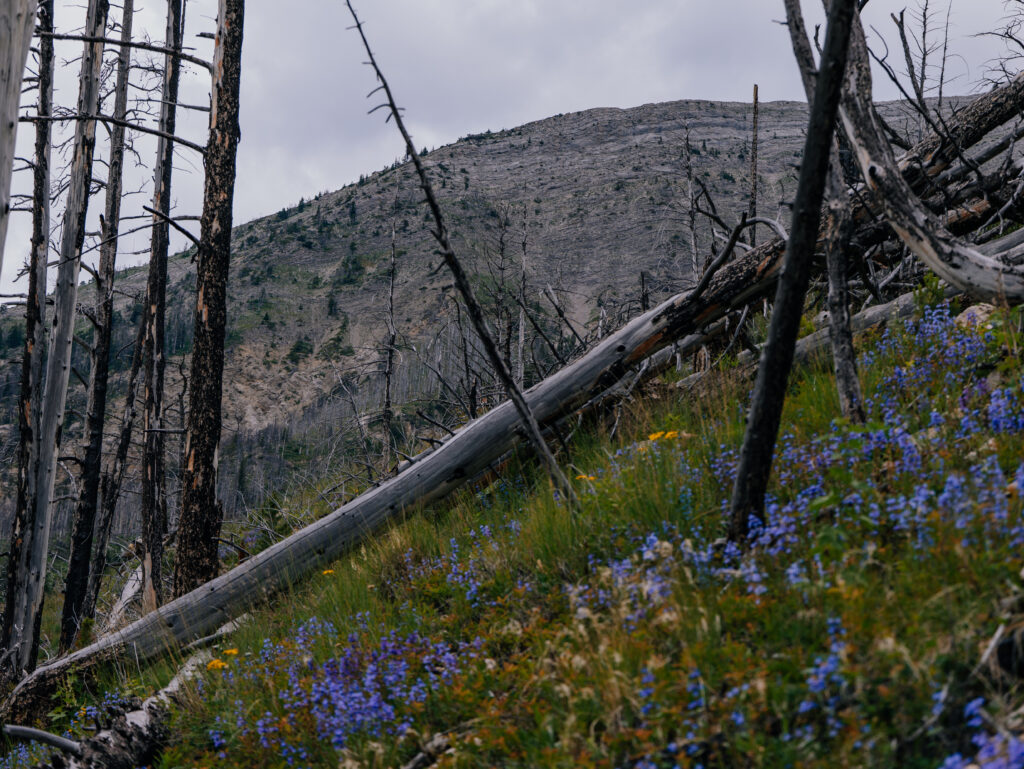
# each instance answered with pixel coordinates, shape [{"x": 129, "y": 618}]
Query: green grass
[{"x": 850, "y": 633}]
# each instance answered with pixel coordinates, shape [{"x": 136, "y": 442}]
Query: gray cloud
[{"x": 464, "y": 66}]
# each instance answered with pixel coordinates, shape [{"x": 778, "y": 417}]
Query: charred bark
[
  {"x": 777, "y": 355},
  {"x": 838, "y": 230},
  {"x": 201, "y": 512},
  {"x": 154, "y": 502}
]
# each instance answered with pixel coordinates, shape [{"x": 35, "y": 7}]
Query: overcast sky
[{"x": 465, "y": 66}]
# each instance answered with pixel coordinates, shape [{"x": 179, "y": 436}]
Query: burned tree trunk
[
  {"x": 837, "y": 240},
  {"x": 752, "y": 210},
  {"x": 82, "y": 532},
  {"x": 17, "y": 18},
  {"x": 201, "y": 512},
  {"x": 27, "y": 595},
  {"x": 35, "y": 319},
  {"x": 777, "y": 355},
  {"x": 154, "y": 502},
  {"x": 110, "y": 484},
  {"x": 387, "y": 415}
]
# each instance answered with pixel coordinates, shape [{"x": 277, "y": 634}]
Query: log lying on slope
[
  {"x": 980, "y": 274},
  {"x": 463, "y": 457}
]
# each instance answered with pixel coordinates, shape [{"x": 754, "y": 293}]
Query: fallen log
[
  {"x": 983, "y": 275},
  {"x": 440, "y": 472}
]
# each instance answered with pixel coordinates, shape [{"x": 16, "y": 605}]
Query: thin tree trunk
[
  {"x": 837, "y": 240},
  {"x": 752, "y": 211},
  {"x": 17, "y": 18},
  {"x": 777, "y": 356},
  {"x": 201, "y": 512},
  {"x": 389, "y": 360},
  {"x": 154, "y": 501},
  {"x": 28, "y": 594},
  {"x": 691, "y": 213},
  {"x": 476, "y": 315},
  {"x": 35, "y": 330},
  {"x": 110, "y": 484},
  {"x": 82, "y": 532}
]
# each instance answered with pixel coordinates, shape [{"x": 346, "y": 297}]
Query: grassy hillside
[{"x": 852, "y": 632}]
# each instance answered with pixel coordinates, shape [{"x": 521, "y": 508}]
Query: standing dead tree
[
  {"x": 837, "y": 239},
  {"x": 154, "y": 502},
  {"x": 476, "y": 315},
  {"x": 31, "y": 552},
  {"x": 17, "y": 19},
  {"x": 35, "y": 318},
  {"x": 777, "y": 355},
  {"x": 82, "y": 532},
  {"x": 201, "y": 512}
]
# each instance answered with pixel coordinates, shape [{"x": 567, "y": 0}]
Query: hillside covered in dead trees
[{"x": 687, "y": 435}]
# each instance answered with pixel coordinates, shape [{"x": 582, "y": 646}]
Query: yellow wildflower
[
  {"x": 327, "y": 571},
  {"x": 216, "y": 664},
  {"x": 670, "y": 434},
  {"x": 656, "y": 436},
  {"x": 231, "y": 651},
  {"x": 585, "y": 477}
]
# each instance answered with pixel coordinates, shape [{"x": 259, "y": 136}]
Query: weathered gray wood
[
  {"x": 31, "y": 395},
  {"x": 17, "y": 19},
  {"x": 28, "y": 595},
  {"x": 466, "y": 455},
  {"x": 83, "y": 529},
  {"x": 978, "y": 274}
]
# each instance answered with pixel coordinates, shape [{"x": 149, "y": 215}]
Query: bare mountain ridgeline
[{"x": 582, "y": 204}]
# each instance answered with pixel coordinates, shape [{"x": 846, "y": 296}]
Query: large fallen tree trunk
[{"x": 463, "y": 457}]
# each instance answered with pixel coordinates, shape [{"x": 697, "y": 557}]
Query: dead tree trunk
[
  {"x": 82, "y": 532},
  {"x": 17, "y": 18},
  {"x": 837, "y": 240},
  {"x": 35, "y": 331},
  {"x": 476, "y": 315},
  {"x": 28, "y": 593},
  {"x": 752, "y": 211},
  {"x": 110, "y": 484},
  {"x": 777, "y": 356},
  {"x": 154, "y": 502},
  {"x": 201, "y": 512},
  {"x": 389, "y": 357}
]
